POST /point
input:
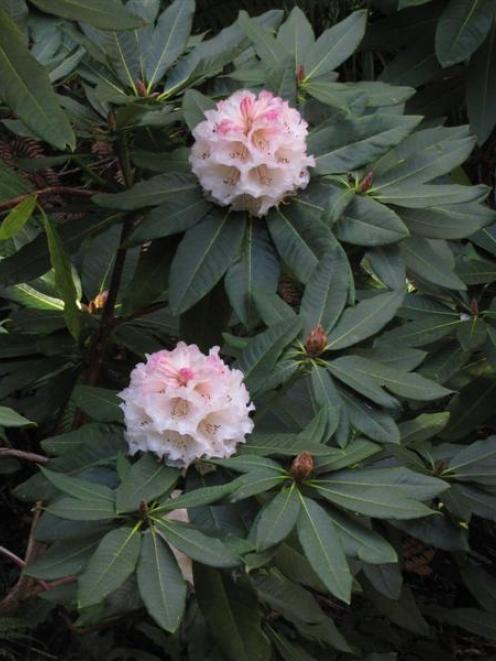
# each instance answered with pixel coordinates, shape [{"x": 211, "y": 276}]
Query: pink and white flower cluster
[
  {"x": 183, "y": 405},
  {"x": 250, "y": 152}
]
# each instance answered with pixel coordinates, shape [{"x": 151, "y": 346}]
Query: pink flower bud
[{"x": 316, "y": 341}]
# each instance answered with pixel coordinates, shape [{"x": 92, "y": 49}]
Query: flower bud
[
  {"x": 302, "y": 466},
  {"x": 366, "y": 183},
  {"x": 98, "y": 303},
  {"x": 316, "y": 341}
]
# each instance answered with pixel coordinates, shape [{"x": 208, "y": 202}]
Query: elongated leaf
[
  {"x": 326, "y": 292},
  {"x": 195, "y": 544},
  {"x": 427, "y": 263},
  {"x": 361, "y": 542},
  {"x": 369, "y": 420},
  {"x": 462, "y": 28},
  {"x": 198, "y": 497},
  {"x": 296, "y": 35},
  {"x": 168, "y": 40},
  {"x": 365, "y": 319},
  {"x": 452, "y": 221},
  {"x": 64, "y": 558},
  {"x": 10, "y": 418},
  {"x": 262, "y": 352},
  {"x": 388, "y": 264},
  {"x": 205, "y": 253},
  {"x": 150, "y": 192},
  {"x": 426, "y": 195},
  {"x": 270, "y": 51},
  {"x": 481, "y": 95},
  {"x": 299, "y": 238},
  {"x": 470, "y": 408},
  {"x": 233, "y": 615},
  {"x": 365, "y": 222},
  {"x": 423, "y": 427},
  {"x": 344, "y": 369},
  {"x": 63, "y": 278},
  {"x": 323, "y": 549},
  {"x": 404, "y": 384},
  {"x": 160, "y": 582},
  {"x": 17, "y": 218},
  {"x": 421, "y": 332},
  {"x": 356, "y": 451},
  {"x": 476, "y": 463},
  {"x": 277, "y": 518},
  {"x": 77, "y": 509},
  {"x": 194, "y": 106},
  {"x": 146, "y": 480},
  {"x": 99, "y": 403},
  {"x": 78, "y": 488},
  {"x": 111, "y": 564},
  {"x": 108, "y": 15},
  {"x": 26, "y": 89},
  {"x": 335, "y": 45},
  {"x": 258, "y": 481},
  {"x": 257, "y": 268},
  {"x": 347, "y": 144}
]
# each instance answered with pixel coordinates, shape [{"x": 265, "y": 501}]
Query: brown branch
[
  {"x": 12, "y": 557},
  {"x": 49, "y": 190},
  {"x": 24, "y": 585},
  {"x": 20, "y": 454}
]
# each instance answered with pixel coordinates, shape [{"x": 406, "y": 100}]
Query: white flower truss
[
  {"x": 183, "y": 405},
  {"x": 250, "y": 152}
]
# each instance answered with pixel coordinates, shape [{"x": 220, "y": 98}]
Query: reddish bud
[
  {"x": 141, "y": 88},
  {"x": 98, "y": 303},
  {"x": 366, "y": 182},
  {"x": 300, "y": 73},
  {"x": 316, "y": 341},
  {"x": 302, "y": 466},
  {"x": 474, "y": 307}
]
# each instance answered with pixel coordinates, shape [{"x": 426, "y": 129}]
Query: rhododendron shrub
[{"x": 247, "y": 346}]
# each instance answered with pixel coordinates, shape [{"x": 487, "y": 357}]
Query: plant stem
[
  {"x": 20, "y": 454},
  {"x": 49, "y": 190}
]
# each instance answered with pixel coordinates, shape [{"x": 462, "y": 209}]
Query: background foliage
[{"x": 358, "y": 519}]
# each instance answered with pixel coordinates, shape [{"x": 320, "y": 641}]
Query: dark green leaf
[
  {"x": 160, "y": 582},
  {"x": 277, "y": 518},
  {"x": 111, "y": 564},
  {"x": 147, "y": 479},
  {"x": 462, "y": 28},
  {"x": 99, "y": 403},
  {"x": 17, "y": 218},
  {"x": 110, "y": 15}
]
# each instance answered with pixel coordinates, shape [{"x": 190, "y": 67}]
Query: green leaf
[
  {"x": 257, "y": 268},
  {"x": 277, "y": 518},
  {"x": 232, "y": 614},
  {"x": 261, "y": 353},
  {"x": 370, "y": 421},
  {"x": 388, "y": 265},
  {"x": 472, "y": 333},
  {"x": 423, "y": 427},
  {"x": 429, "y": 264},
  {"x": 160, "y": 582},
  {"x": 481, "y": 95},
  {"x": 281, "y": 444},
  {"x": 270, "y": 51},
  {"x": 112, "y": 563},
  {"x": 296, "y": 35},
  {"x": 100, "y": 404},
  {"x": 255, "y": 482},
  {"x": 451, "y": 221},
  {"x": 422, "y": 331},
  {"x": 462, "y": 28},
  {"x": 64, "y": 280},
  {"x": 350, "y": 371},
  {"x": 78, "y": 488},
  {"x": 181, "y": 211},
  {"x": 168, "y": 40},
  {"x": 322, "y": 547},
  {"x": 366, "y": 222},
  {"x": 203, "y": 256},
  {"x": 147, "y": 479},
  {"x": 90, "y": 433},
  {"x": 347, "y": 144},
  {"x": 356, "y": 451},
  {"x": 364, "y": 320},
  {"x": 335, "y": 45},
  {"x": 360, "y": 541},
  {"x": 195, "y": 544},
  {"x": 149, "y": 192},
  {"x": 10, "y": 418},
  {"x": 326, "y": 292},
  {"x": 194, "y": 106},
  {"x": 404, "y": 384},
  {"x": 474, "y": 620},
  {"x": 299, "y": 237},
  {"x": 89, "y": 509},
  {"x": 425, "y": 195},
  {"x": 394, "y": 493},
  {"x": 475, "y": 462},
  {"x": 64, "y": 558},
  {"x": 26, "y": 89},
  {"x": 15, "y": 220},
  {"x": 110, "y": 15},
  {"x": 198, "y": 497}
]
